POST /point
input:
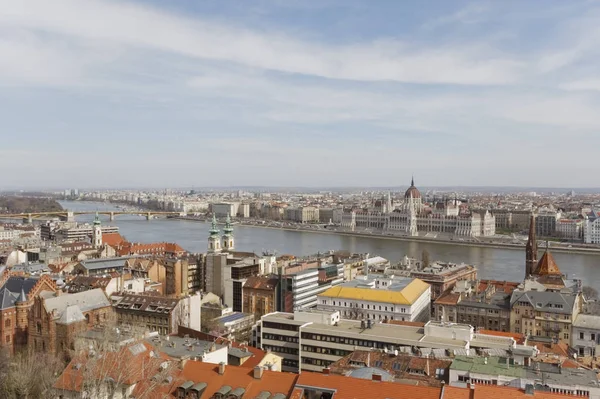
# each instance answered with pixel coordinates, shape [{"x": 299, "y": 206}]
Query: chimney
[
  {"x": 376, "y": 377},
  {"x": 529, "y": 390},
  {"x": 221, "y": 368},
  {"x": 326, "y": 371},
  {"x": 258, "y": 372}
]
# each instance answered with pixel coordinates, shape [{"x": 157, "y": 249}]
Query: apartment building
[
  {"x": 299, "y": 290},
  {"x": 545, "y": 313},
  {"x": 157, "y": 313},
  {"x": 585, "y": 336}
]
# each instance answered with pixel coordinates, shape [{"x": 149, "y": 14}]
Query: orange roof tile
[
  {"x": 356, "y": 388},
  {"x": 112, "y": 239},
  {"x": 547, "y": 265},
  {"x": 272, "y": 381}
]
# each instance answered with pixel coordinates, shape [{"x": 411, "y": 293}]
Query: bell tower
[
  {"x": 531, "y": 250},
  {"x": 228, "y": 240},
  {"x": 214, "y": 242},
  {"x": 97, "y": 233}
]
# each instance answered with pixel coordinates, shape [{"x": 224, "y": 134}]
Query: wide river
[{"x": 493, "y": 263}]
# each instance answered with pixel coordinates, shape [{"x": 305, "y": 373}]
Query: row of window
[
  {"x": 325, "y": 351},
  {"x": 277, "y": 337},
  {"x": 280, "y": 349},
  {"x": 343, "y": 340},
  {"x": 362, "y": 306}
]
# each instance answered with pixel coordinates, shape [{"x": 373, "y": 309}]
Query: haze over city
[{"x": 297, "y": 93}]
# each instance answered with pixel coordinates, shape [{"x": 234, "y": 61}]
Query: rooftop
[{"x": 403, "y": 291}]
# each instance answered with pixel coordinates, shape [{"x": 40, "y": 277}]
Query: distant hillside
[{"x": 14, "y": 204}]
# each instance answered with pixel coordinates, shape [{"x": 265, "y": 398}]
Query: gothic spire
[
  {"x": 412, "y": 181},
  {"x": 531, "y": 250}
]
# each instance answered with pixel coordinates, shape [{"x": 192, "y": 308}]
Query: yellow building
[{"x": 379, "y": 298}]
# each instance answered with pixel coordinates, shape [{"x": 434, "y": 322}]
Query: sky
[{"x": 191, "y": 93}]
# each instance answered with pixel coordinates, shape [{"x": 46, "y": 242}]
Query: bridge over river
[{"x": 67, "y": 215}]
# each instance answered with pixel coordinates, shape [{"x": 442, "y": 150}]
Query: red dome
[{"x": 412, "y": 191}]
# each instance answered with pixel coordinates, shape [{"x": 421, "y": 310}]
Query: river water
[{"x": 493, "y": 263}]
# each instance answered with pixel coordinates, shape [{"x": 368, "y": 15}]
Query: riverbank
[{"x": 429, "y": 240}]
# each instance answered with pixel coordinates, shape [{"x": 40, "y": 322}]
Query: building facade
[
  {"x": 379, "y": 298},
  {"x": 585, "y": 337},
  {"x": 415, "y": 217},
  {"x": 56, "y": 318}
]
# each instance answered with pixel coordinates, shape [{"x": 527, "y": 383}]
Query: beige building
[{"x": 303, "y": 214}]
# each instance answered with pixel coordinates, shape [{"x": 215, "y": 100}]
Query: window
[
  {"x": 8, "y": 339},
  {"x": 593, "y": 337},
  {"x": 580, "y": 335},
  {"x": 566, "y": 336},
  {"x": 7, "y": 323}
]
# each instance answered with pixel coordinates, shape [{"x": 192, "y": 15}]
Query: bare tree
[
  {"x": 29, "y": 375},
  {"x": 355, "y": 312},
  {"x": 113, "y": 364},
  {"x": 590, "y": 292}
]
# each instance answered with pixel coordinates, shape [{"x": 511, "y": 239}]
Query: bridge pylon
[
  {"x": 148, "y": 216},
  {"x": 112, "y": 216}
]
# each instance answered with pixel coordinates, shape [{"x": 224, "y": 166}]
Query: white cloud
[{"x": 145, "y": 27}]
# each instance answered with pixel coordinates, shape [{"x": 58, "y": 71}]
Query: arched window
[
  {"x": 7, "y": 323},
  {"x": 87, "y": 318}
]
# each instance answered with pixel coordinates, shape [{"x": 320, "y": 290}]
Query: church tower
[
  {"x": 97, "y": 233},
  {"x": 228, "y": 241},
  {"x": 214, "y": 242},
  {"x": 531, "y": 250}
]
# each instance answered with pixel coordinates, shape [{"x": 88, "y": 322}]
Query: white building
[
  {"x": 532, "y": 377},
  {"x": 223, "y": 209},
  {"x": 312, "y": 340},
  {"x": 591, "y": 233},
  {"x": 570, "y": 229},
  {"x": 379, "y": 298},
  {"x": 414, "y": 217},
  {"x": 585, "y": 337}
]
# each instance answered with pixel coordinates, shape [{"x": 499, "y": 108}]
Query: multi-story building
[
  {"x": 16, "y": 300},
  {"x": 303, "y": 214},
  {"x": 570, "y": 229},
  {"x": 260, "y": 295},
  {"x": 538, "y": 376},
  {"x": 379, "y": 297},
  {"x": 591, "y": 234},
  {"x": 92, "y": 267},
  {"x": 183, "y": 276},
  {"x": 235, "y": 276},
  {"x": 56, "y": 318},
  {"x": 545, "y": 223},
  {"x": 442, "y": 276},
  {"x": 76, "y": 233},
  {"x": 299, "y": 289},
  {"x": 585, "y": 335},
  {"x": 545, "y": 313},
  {"x": 310, "y": 341},
  {"x": 415, "y": 217},
  {"x": 483, "y": 304},
  {"x": 224, "y": 209},
  {"x": 157, "y": 313}
]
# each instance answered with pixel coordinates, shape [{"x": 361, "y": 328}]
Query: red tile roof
[
  {"x": 112, "y": 239},
  {"x": 356, "y": 388}
]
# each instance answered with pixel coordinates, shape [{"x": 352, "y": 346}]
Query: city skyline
[{"x": 292, "y": 93}]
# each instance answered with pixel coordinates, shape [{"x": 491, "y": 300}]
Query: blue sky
[{"x": 299, "y": 93}]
